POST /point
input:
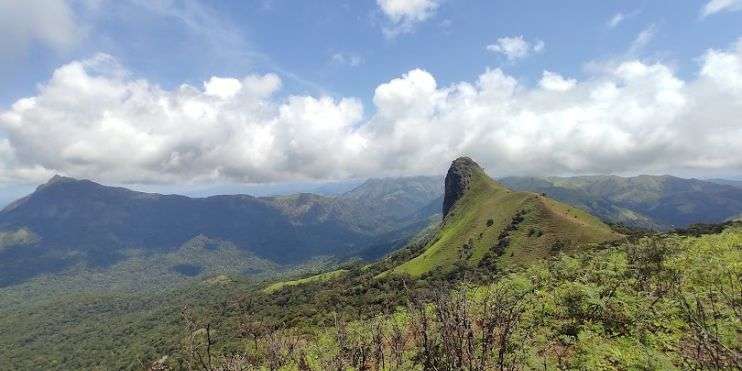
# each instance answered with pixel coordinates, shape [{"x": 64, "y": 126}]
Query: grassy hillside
[
  {"x": 492, "y": 222},
  {"x": 640, "y": 304},
  {"x": 634, "y": 305},
  {"x": 647, "y": 201},
  {"x": 322, "y": 277}
]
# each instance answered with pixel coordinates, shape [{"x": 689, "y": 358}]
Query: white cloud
[
  {"x": 93, "y": 119},
  {"x": 50, "y": 23},
  {"x": 554, "y": 81},
  {"x": 643, "y": 39},
  {"x": 621, "y": 17},
  {"x": 404, "y": 14},
  {"x": 615, "y": 20},
  {"x": 516, "y": 47},
  {"x": 346, "y": 59},
  {"x": 224, "y": 88},
  {"x": 724, "y": 68},
  {"x": 716, "y": 6}
]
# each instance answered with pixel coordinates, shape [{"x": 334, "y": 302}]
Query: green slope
[
  {"x": 491, "y": 221},
  {"x": 322, "y": 277}
]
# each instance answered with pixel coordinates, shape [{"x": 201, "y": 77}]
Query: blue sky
[
  {"x": 187, "y": 41},
  {"x": 350, "y": 89}
]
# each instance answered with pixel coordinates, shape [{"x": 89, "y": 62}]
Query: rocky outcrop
[{"x": 457, "y": 182}]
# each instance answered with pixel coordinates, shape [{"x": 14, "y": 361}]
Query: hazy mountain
[
  {"x": 648, "y": 201},
  {"x": 729, "y": 182},
  {"x": 67, "y": 222}
]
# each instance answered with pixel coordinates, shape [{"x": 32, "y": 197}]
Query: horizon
[{"x": 276, "y": 189}]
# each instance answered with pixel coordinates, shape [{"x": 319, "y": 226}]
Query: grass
[
  {"x": 322, "y": 277},
  {"x": 545, "y": 221}
]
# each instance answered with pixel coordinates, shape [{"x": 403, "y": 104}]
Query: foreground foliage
[
  {"x": 655, "y": 302},
  {"x": 660, "y": 302}
]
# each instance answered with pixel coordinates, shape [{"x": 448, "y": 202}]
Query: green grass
[
  {"x": 322, "y": 277},
  {"x": 546, "y": 221}
]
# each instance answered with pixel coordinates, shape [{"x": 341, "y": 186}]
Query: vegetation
[
  {"x": 657, "y": 202},
  {"x": 520, "y": 227},
  {"x": 658, "y": 302},
  {"x": 19, "y": 237},
  {"x": 68, "y": 223},
  {"x": 323, "y": 277},
  {"x": 509, "y": 280},
  {"x": 654, "y": 302}
]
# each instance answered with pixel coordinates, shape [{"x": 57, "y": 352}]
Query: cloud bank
[{"x": 94, "y": 119}]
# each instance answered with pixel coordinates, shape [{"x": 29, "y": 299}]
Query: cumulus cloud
[
  {"x": 94, "y": 119},
  {"x": 404, "y": 14},
  {"x": 516, "y": 47},
  {"x": 554, "y": 81},
  {"x": 50, "y": 23},
  {"x": 716, "y": 6}
]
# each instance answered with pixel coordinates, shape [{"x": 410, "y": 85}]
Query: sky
[{"x": 186, "y": 93}]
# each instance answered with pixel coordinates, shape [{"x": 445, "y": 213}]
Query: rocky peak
[
  {"x": 57, "y": 179},
  {"x": 457, "y": 182}
]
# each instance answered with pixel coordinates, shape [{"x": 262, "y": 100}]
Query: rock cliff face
[{"x": 457, "y": 181}]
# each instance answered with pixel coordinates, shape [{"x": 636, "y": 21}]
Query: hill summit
[
  {"x": 458, "y": 179},
  {"x": 485, "y": 223}
]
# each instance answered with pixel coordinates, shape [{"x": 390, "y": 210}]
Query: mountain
[
  {"x": 385, "y": 204},
  {"x": 660, "y": 202},
  {"x": 729, "y": 182},
  {"x": 486, "y": 223},
  {"x": 68, "y": 222}
]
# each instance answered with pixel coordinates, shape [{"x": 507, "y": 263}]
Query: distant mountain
[
  {"x": 67, "y": 222},
  {"x": 729, "y": 182},
  {"x": 661, "y": 202},
  {"x": 336, "y": 188},
  {"x": 485, "y": 223},
  {"x": 386, "y": 204}
]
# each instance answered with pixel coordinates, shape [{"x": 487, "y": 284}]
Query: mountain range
[
  {"x": 68, "y": 222},
  {"x": 94, "y": 276}
]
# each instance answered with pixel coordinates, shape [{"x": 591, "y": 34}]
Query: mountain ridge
[
  {"x": 81, "y": 221},
  {"x": 657, "y": 202},
  {"x": 487, "y": 223}
]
